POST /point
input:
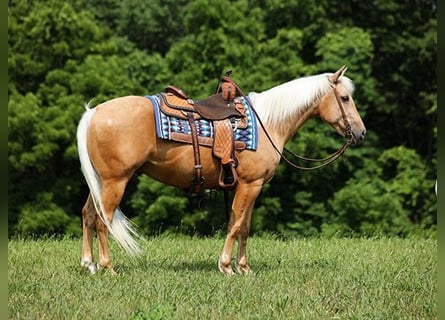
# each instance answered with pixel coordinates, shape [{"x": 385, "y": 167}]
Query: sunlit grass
[{"x": 177, "y": 278}]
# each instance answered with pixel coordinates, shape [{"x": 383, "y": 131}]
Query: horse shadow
[
  {"x": 168, "y": 265},
  {"x": 208, "y": 266}
]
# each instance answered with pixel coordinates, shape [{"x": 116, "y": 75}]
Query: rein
[{"x": 326, "y": 160}]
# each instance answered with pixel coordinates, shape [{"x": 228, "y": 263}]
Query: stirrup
[{"x": 228, "y": 178}]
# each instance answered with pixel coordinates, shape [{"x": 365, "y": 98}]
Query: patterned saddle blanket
[{"x": 176, "y": 128}]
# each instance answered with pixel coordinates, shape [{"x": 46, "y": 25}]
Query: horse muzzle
[{"x": 356, "y": 136}]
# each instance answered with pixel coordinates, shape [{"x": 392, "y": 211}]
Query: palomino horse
[{"x": 118, "y": 138}]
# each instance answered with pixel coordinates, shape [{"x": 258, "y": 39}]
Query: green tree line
[{"x": 63, "y": 54}]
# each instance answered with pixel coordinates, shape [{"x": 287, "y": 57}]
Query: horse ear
[{"x": 340, "y": 72}]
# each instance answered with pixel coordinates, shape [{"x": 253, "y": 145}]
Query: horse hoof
[
  {"x": 90, "y": 266},
  {"x": 227, "y": 270},
  {"x": 112, "y": 271},
  {"x": 245, "y": 270},
  {"x": 93, "y": 268}
]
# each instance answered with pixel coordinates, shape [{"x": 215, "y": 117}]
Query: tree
[
  {"x": 64, "y": 55},
  {"x": 43, "y": 113},
  {"x": 43, "y": 35},
  {"x": 391, "y": 197}
]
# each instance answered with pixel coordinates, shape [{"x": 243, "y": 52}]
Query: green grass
[{"x": 177, "y": 278}]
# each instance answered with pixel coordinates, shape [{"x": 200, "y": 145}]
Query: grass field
[{"x": 177, "y": 278}]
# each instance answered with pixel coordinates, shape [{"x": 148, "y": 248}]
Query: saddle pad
[{"x": 167, "y": 126}]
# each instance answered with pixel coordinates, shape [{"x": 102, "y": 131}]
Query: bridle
[{"x": 325, "y": 161}]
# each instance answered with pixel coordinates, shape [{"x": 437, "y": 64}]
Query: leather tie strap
[{"x": 197, "y": 180}]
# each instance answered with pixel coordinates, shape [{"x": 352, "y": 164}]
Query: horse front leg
[
  {"x": 242, "y": 266},
  {"x": 238, "y": 228},
  {"x": 89, "y": 216}
]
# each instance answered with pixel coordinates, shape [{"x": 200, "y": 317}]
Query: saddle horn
[{"x": 227, "y": 87}]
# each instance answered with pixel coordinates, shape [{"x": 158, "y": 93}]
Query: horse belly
[{"x": 173, "y": 164}]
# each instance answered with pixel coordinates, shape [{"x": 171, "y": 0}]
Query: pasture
[{"x": 176, "y": 277}]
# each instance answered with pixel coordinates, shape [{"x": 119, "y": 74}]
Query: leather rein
[{"x": 325, "y": 161}]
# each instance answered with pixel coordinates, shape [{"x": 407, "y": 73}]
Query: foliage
[
  {"x": 62, "y": 55},
  {"x": 153, "y": 202},
  {"x": 44, "y": 216}
]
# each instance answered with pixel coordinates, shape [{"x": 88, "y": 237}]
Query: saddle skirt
[{"x": 172, "y": 122}]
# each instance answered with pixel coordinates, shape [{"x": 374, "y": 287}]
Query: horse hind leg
[
  {"x": 104, "y": 250},
  {"x": 89, "y": 216},
  {"x": 112, "y": 193}
]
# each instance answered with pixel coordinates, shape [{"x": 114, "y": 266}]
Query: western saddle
[{"x": 226, "y": 112}]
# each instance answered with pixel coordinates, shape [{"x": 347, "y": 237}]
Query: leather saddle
[
  {"x": 212, "y": 108},
  {"x": 223, "y": 109}
]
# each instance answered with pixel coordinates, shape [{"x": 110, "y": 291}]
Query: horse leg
[
  {"x": 89, "y": 217},
  {"x": 241, "y": 260},
  {"x": 112, "y": 192},
  {"x": 104, "y": 250},
  {"x": 239, "y": 226}
]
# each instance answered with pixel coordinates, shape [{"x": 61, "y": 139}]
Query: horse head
[{"x": 337, "y": 108}]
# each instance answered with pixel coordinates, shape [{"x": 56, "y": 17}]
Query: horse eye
[{"x": 345, "y": 98}]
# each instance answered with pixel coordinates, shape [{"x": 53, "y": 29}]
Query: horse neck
[{"x": 285, "y": 108}]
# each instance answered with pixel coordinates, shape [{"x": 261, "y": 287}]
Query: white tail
[{"x": 121, "y": 227}]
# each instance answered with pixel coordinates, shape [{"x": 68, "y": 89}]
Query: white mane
[{"x": 290, "y": 99}]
